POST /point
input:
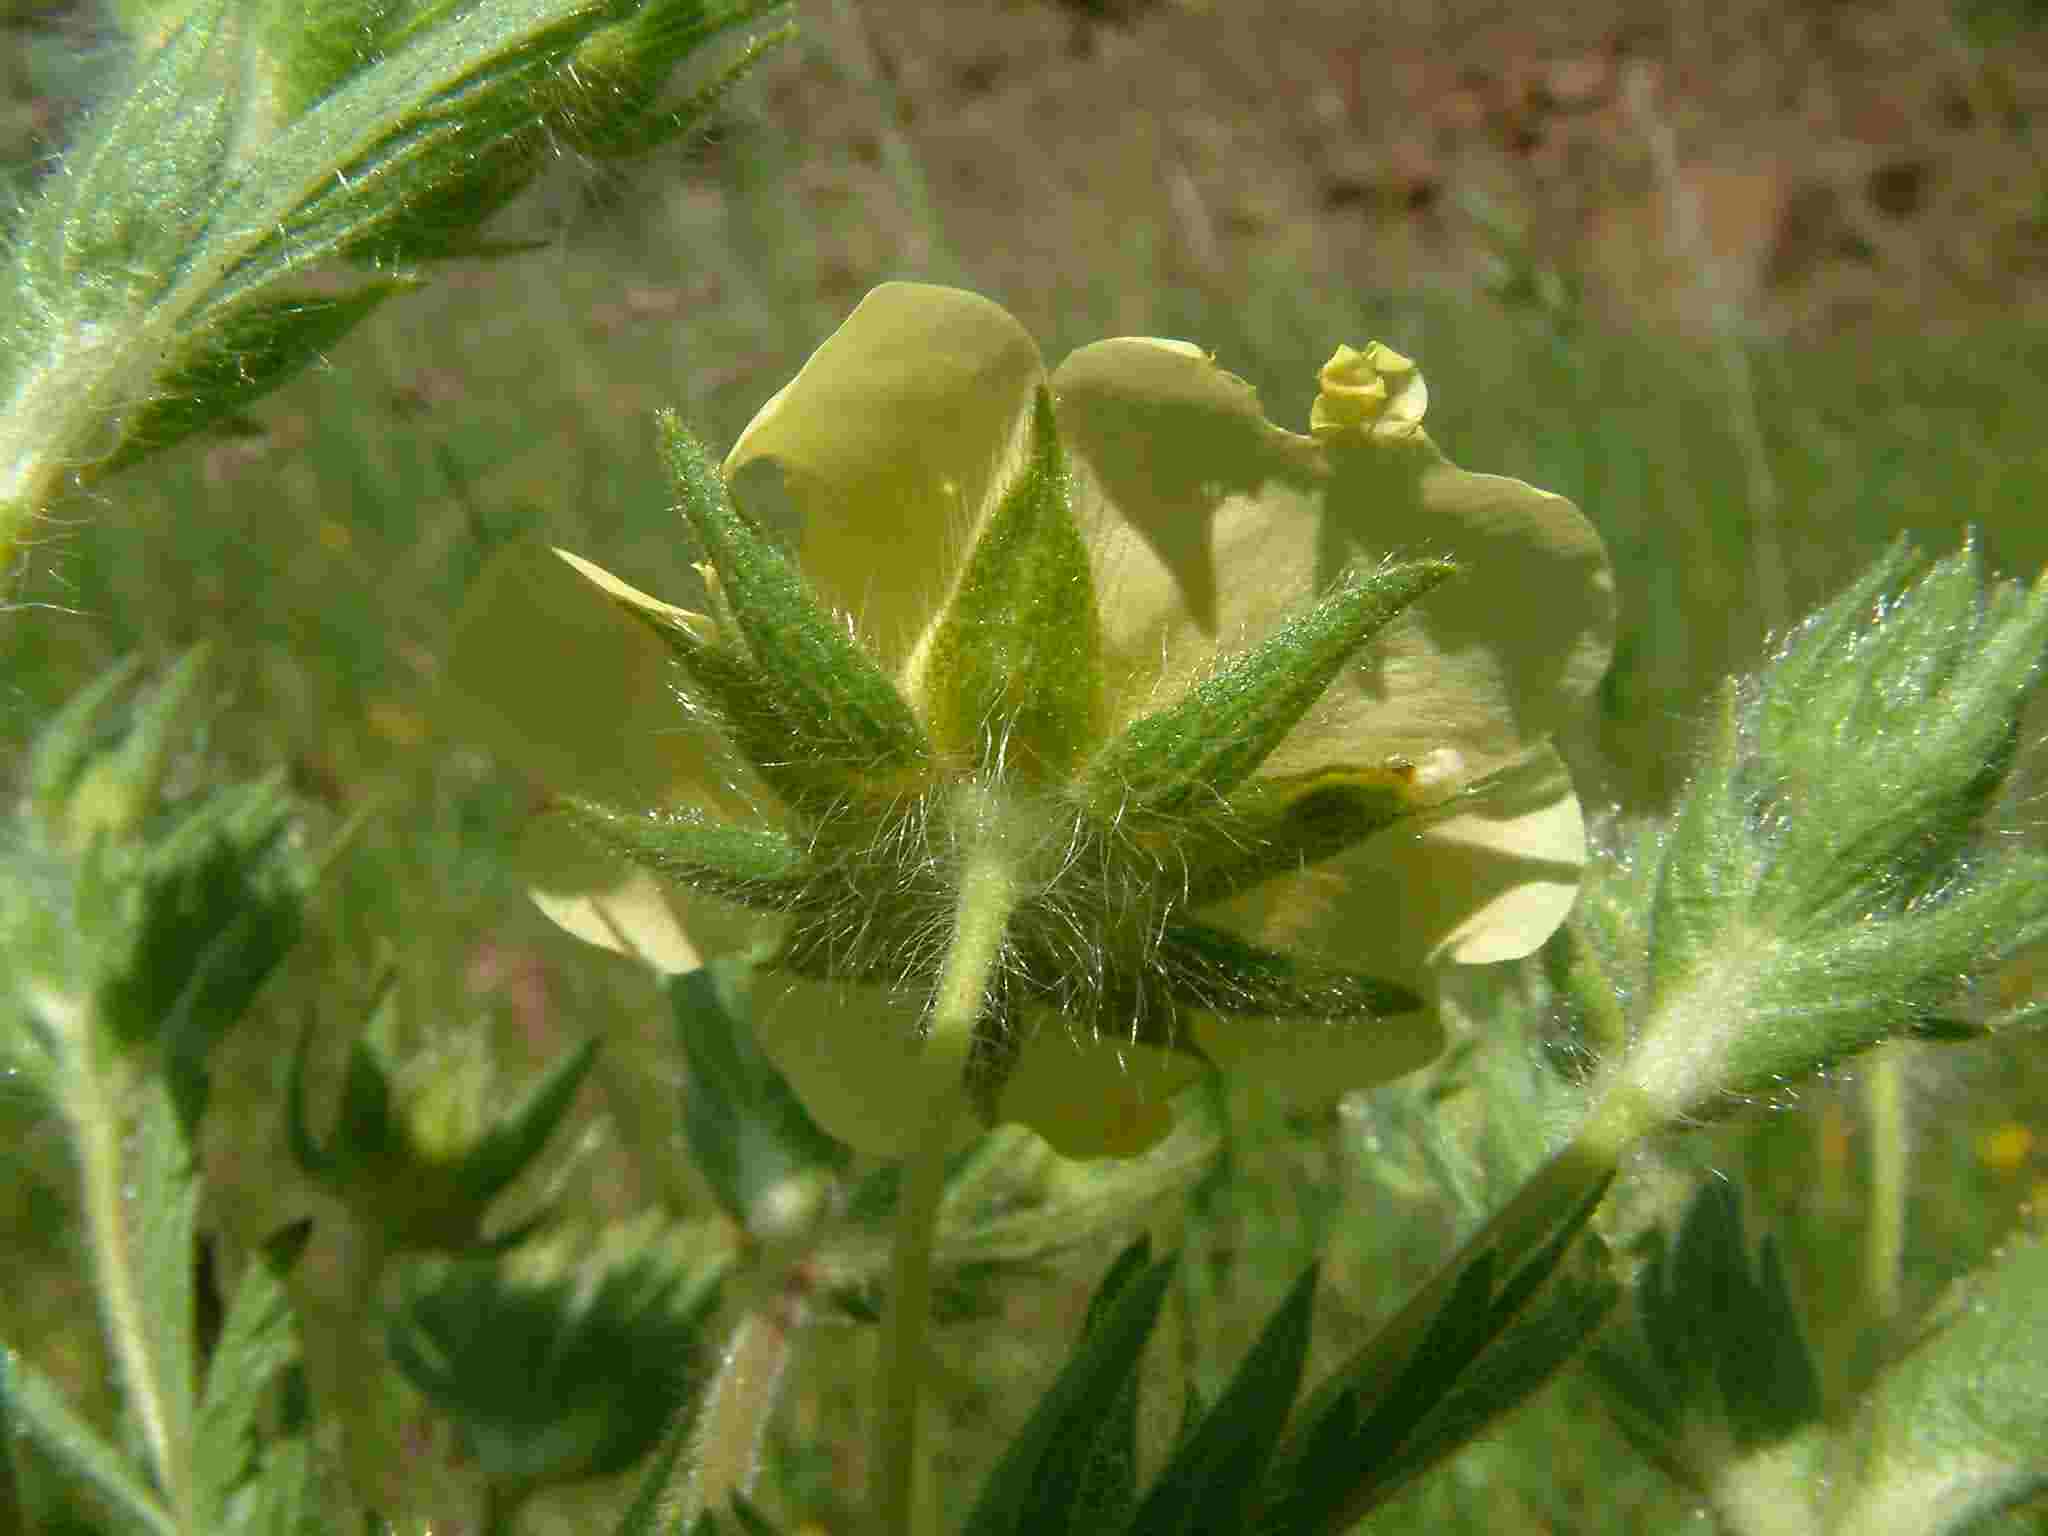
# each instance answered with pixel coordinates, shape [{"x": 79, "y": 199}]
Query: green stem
[
  {"x": 344, "y": 1358},
  {"x": 1891, "y": 1150},
  {"x": 987, "y": 896},
  {"x": 98, "y": 1110},
  {"x": 733, "y": 1422}
]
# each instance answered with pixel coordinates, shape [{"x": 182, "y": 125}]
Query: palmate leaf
[
  {"x": 162, "y": 1204},
  {"x": 643, "y": 1517},
  {"x": 1069, "y": 1469},
  {"x": 258, "y": 1341},
  {"x": 31, "y": 1406},
  {"x": 1959, "y": 1427},
  {"x": 568, "y": 1359},
  {"x": 252, "y": 352},
  {"x": 248, "y": 150},
  {"x": 1487, "y": 1335},
  {"x": 1211, "y": 1484}
]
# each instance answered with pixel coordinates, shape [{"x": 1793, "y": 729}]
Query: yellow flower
[{"x": 1260, "y": 722}]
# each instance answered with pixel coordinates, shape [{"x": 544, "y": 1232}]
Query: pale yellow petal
[
  {"x": 631, "y": 918},
  {"x": 549, "y": 674},
  {"x": 1210, "y": 525},
  {"x": 1092, "y": 1097},
  {"x": 1311, "y": 1063},
  {"x": 888, "y": 443},
  {"x": 601, "y": 899},
  {"x": 850, "y": 1052},
  {"x": 1490, "y": 881}
]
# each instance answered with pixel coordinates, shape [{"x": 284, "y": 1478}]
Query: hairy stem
[
  {"x": 1891, "y": 1152},
  {"x": 733, "y": 1423},
  {"x": 987, "y": 896}
]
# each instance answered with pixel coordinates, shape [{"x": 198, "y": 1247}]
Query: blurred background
[{"x": 1762, "y": 285}]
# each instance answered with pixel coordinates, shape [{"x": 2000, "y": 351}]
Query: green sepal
[
  {"x": 1201, "y": 967},
  {"x": 1013, "y": 677},
  {"x": 1207, "y": 743},
  {"x": 565, "y": 1361},
  {"x": 1063, "y": 1471},
  {"x": 753, "y": 865},
  {"x": 723, "y": 680},
  {"x": 767, "y": 1162},
  {"x": 1275, "y": 827},
  {"x": 1211, "y": 1485},
  {"x": 843, "y": 716},
  {"x": 251, "y": 352}
]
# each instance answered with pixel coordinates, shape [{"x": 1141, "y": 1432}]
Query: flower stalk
[
  {"x": 988, "y": 895},
  {"x": 742, "y": 1396}
]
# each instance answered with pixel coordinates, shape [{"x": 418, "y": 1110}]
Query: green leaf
[
  {"x": 1704, "y": 872},
  {"x": 31, "y": 1406},
  {"x": 1959, "y": 1428},
  {"x": 1213, "y": 738},
  {"x": 136, "y": 194},
  {"x": 251, "y": 352},
  {"x": 766, "y": 1159},
  {"x": 1013, "y": 676},
  {"x": 626, "y": 66},
  {"x": 1722, "y": 1334},
  {"x": 1210, "y": 1486},
  {"x": 1201, "y": 967},
  {"x": 643, "y": 1517},
  {"x": 566, "y": 1360},
  {"x": 1407, "y": 1400},
  {"x": 220, "y": 901},
  {"x": 1536, "y": 1328},
  {"x": 279, "y": 1501},
  {"x": 163, "y": 1202},
  {"x": 1322, "y": 1470},
  {"x": 366, "y": 1131},
  {"x": 258, "y": 1340},
  {"x": 65, "y": 747},
  {"x": 1080, "y": 1421}
]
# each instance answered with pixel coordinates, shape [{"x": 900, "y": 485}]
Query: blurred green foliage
[{"x": 324, "y": 561}]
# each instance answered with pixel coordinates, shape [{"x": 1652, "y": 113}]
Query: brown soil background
[{"x": 1795, "y": 170}]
